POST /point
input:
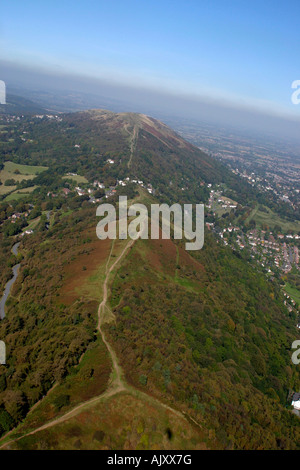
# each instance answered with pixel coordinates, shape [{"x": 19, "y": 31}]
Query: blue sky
[{"x": 242, "y": 51}]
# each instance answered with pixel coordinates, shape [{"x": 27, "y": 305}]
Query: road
[{"x": 10, "y": 283}]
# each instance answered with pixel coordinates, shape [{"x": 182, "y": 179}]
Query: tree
[
  {"x": 15, "y": 404},
  {"x": 6, "y": 421}
]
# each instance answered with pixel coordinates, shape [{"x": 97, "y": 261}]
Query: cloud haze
[{"x": 93, "y": 93}]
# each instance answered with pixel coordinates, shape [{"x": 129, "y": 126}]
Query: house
[
  {"x": 17, "y": 215},
  {"x": 80, "y": 191},
  {"x": 100, "y": 185},
  {"x": 296, "y": 401},
  {"x": 66, "y": 191}
]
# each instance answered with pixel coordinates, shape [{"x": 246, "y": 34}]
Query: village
[
  {"x": 275, "y": 253},
  {"x": 98, "y": 191}
]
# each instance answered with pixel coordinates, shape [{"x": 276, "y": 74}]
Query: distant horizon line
[
  {"x": 242, "y": 103},
  {"x": 151, "y": 101}
]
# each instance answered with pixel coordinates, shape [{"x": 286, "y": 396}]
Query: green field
[
  {"x": 219, "y": 210},
  {"x": 271, "y": 219},
  {"x": 293, "y": 292},
  {"x": 6, "y": 189},
  {"x": 15, "y": 196},
  {"x": 27, "y": 170},
  {"x": 77, "y": 178},
  {"x": 24, "y": 172},
  {"x": 20, "y": 193},
  {"x": 32, "y": 224}
]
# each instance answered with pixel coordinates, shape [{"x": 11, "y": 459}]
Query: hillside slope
[
  {"x": 205, "y": 336},
  {"x": 203, "y": 339},
  {"x": 139, "y": 146},
  {"x": 16, "y": 105}
]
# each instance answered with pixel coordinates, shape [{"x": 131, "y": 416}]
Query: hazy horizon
[
  {"x": 230, "y": 64},
  {"x": 33, "y": 83}
]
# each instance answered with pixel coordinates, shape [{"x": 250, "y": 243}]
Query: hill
[
  {"x": 16, "y": 105},
  {"x": 139, "y": 146},
  {"x": 135, "y": 345}
]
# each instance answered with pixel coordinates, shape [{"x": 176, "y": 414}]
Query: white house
[{"x": 296, "y": 401}]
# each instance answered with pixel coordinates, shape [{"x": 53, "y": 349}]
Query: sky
[{"x": 237, "y": 52}]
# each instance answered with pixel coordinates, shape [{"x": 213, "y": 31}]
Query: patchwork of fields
[{"x": 18, "y": 173}]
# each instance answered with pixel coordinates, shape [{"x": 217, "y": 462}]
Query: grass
[
  {"x": 225, "y": 198},
  {"x": 292, "y": 292},
  {"x": 88, "y": 379},
  {"x": 121, "y": 422},
  {"x": 6, "y": 189},
  {"x": 11, "y": 167},
  {"x": 26, "y": 172},
  {"x": 219, "y": 210},
  {"x": 128, "y": 420},
  {"x": 67, "y": 212},
  {"x": 15, "y": 196},
  {"x": 189, "y": 284},
  {"x": 271, "y": 219},
  {"x": 77, "y": 178},
  {"x": 26, "y": 190},
  {"x": 20, "y": 193},
  {"x": 32, "y": 224},
  {"x": 85, "y": 274},
  {"x": 83, "y": 279}
]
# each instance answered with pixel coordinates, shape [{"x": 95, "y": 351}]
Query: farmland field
[
  {"x": 271, "y": 219},
  {"x": 77, "y": 178},
  {"x": 292, "y": 292},
  {"x": 6, "y": 189},
  {"x": 18, "y": 173},
  {"x": 20, "y": 193},
  {"x": 28, "y": 170}
]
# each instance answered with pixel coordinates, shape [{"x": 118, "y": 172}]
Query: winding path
[
  {"x": 133, "y": 144},
  {"x": 118, "y": 383}
]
